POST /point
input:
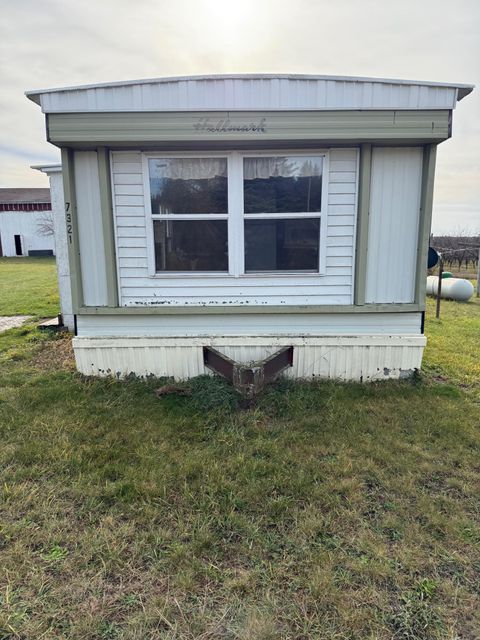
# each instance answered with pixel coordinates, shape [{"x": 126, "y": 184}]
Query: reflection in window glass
[
  {"x": 188, "y": 185},
  {"x": 282, "y": 245},
  {"x": 290, "y": 184},
  {"x": 191, "y": 245}
]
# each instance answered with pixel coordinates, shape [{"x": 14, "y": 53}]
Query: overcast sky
[{"x": 52, "y": 43}]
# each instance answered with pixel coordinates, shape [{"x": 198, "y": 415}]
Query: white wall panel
[
  {"x": 158, "y": 325},
  {"x": 393, "y": 224},
  {"x": 90, "y": 229}
]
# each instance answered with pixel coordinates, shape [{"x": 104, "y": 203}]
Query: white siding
[
  {"x": 138, "y": 288},
  {"x": 393, "y": 224},
  {"x": 268, "y": 93},
  {"x": 246, "y": 324},
  {"x": 61, "y": 247},
  {"x": 90, "y": 229},
  {"x": 25, "y": 224},
  {"x": 363, "y": 358}
]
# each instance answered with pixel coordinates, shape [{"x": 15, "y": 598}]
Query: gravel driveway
[{"x": 8, "y": 322}]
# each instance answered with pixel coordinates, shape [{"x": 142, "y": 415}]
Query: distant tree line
[{"x": 459, "y": 249}]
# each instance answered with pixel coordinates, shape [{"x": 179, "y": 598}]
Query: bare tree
[
  {"x": 459, "y": 248},
  {"x": 45, "y": 226}
]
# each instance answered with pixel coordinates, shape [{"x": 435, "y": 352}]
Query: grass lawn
[
  {"x": 28, "y": 286},
  {"x": 326, "y": 511}
]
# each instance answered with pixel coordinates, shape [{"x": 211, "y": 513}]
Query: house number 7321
[{"x": 68, "y": 218}]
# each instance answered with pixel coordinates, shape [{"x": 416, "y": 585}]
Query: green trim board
[
  {"x": 236, "y": 309},
  {"x": 361, "y": 248},
  {"x": 108, "y": 226},
  {"x": 71, "y": 221},
  {"x": 425, "y": 221},
  {"x": 150, "y": 128}
]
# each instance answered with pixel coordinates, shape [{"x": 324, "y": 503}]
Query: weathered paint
[
  {"x": 362, "y": 358},
  {"x": 150, "y": 129},
  {"x": 250, "y": 324},
  {"x": 243, "y": 309}
]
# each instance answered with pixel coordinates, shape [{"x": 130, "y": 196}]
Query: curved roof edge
[
  {"x": 251, "y": 92},
  {"x": 463, "y": 89}
]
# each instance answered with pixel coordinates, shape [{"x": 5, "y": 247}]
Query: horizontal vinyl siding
[
  {"x": 249, "y": 325},
  {"x": 178, "y": 127},
  {"x": 393, "y": 224},
  {"x": 138, "y": 288}
]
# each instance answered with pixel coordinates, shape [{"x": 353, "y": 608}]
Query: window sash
[{"x": 236, "y": 217}]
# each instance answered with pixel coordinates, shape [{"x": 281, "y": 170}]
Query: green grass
[
  {"x": 28, "y": 286},
  {"x": 325, "y": 511},
  {"x": 453, "y": 348}
]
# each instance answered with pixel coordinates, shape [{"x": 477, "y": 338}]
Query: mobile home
[{"x": 217, "y": 221}]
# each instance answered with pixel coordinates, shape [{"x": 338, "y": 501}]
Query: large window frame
[{"x": 236, "y": 216}]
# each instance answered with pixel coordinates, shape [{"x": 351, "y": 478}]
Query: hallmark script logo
[{"x": 226, "y": 126}]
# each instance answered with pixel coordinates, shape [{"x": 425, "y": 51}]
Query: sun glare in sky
[{"x": 230, "y": 24}]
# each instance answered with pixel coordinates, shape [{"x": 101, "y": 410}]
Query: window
[
  {"x": 189, "y": 200},
  {"x": 290, "y": 187},
  {"x": 237, "y": 215}
]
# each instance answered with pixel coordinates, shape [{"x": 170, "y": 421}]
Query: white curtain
[
  {"x": 282, "y": 167},
  {"x": 187, "y": 168}
]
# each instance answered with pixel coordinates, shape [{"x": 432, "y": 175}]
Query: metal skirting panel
[{"x": 361, "y": 358}]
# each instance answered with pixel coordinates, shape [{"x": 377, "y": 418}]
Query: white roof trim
[
  {"x": 464, "y": 89},
  {"x": 47, "y": 168},
  {"x": 245, "y": 92}
]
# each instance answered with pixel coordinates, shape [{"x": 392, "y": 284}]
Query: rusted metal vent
[{"x": 248, "y": 378}]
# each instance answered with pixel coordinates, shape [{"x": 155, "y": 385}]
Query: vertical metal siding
[
  {"x": 281, "y": 93},
  {"x": 345, "y": 358},
  {"x": 90, "y": 229},
  {"x": 393, "y": 224}
]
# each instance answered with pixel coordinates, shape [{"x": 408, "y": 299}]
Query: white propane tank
[{"x": 452, "y": 288}]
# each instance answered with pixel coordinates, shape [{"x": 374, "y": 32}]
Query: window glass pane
[
  {"x": 188, "y": 185},
  {"x": 191, "y": 245},
  {"x": 290, "y": 184},
  {"x": 282, "y": 245}
]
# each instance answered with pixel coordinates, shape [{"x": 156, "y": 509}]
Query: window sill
[{"x": 243, "y": 276}]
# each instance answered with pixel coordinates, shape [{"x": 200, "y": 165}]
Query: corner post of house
[
  {"x": 425, "y": 220},
  {"x": 365, "y": 172},
  {"x": 107, "y": 224},
  {"x": 71, "y": 221}
]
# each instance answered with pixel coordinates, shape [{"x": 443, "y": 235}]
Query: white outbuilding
[
  {"x": 249, "y": 223},
  {"x": 26, "y": 223}
]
